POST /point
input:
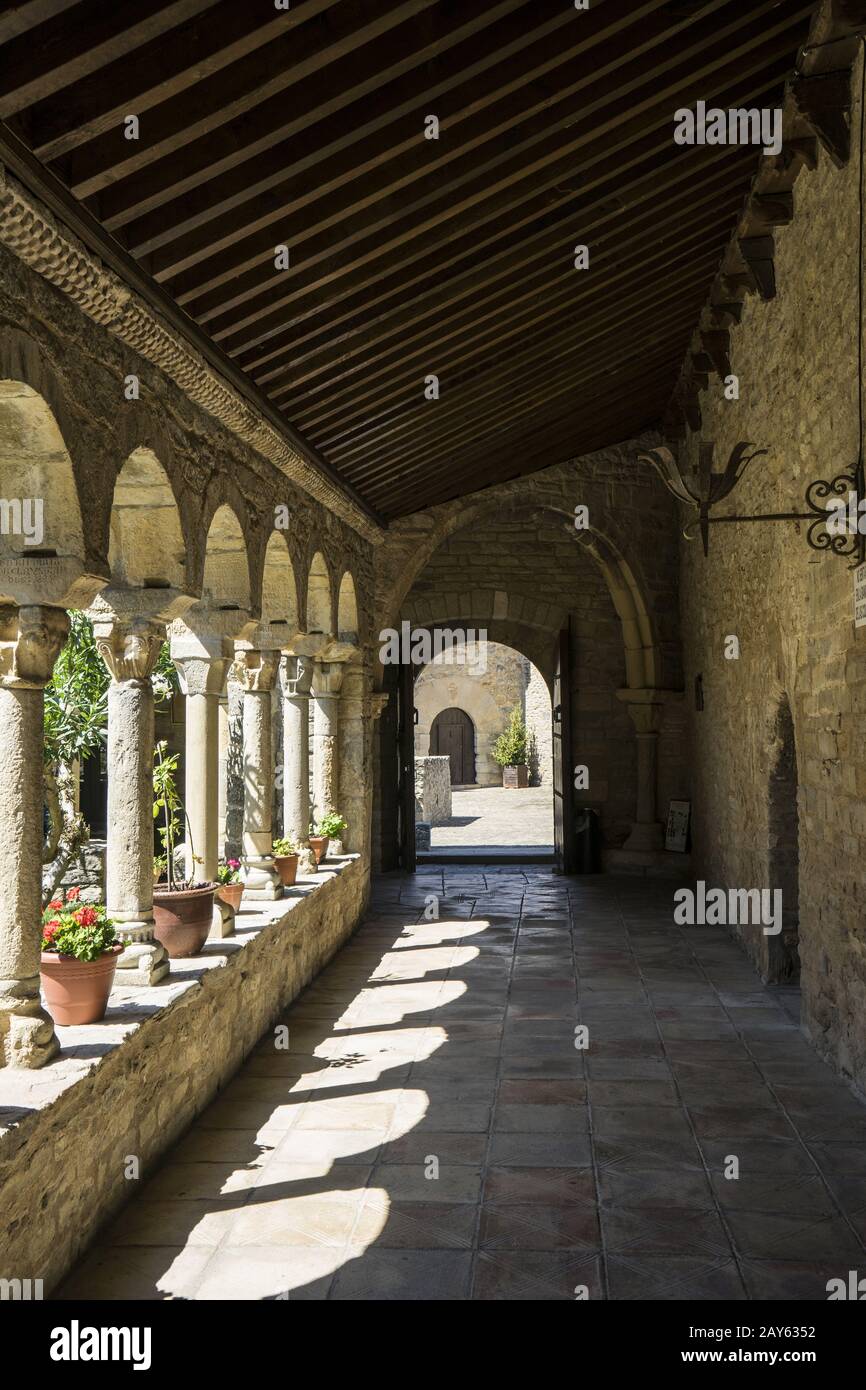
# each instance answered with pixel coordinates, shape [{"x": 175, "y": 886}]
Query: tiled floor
[{"x": 432, "y": 1131}]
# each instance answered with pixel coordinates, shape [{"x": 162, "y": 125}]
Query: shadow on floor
[{"x": 431, "y": 1131}]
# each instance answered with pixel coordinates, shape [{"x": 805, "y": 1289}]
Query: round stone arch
[
  {"x": 467, "y": 692},
  {"x": 279, "y": 603},
  {"x": 319, "y": 602},
  {"x": 347, "y": 611},
  {"x": 146, "y": 547},
  {"x": 601, "y": 541},
  {"x": 226, "y": 572},
  {"x": 41, "y": 511}
]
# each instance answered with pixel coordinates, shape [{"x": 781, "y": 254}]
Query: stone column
[
  {"x": 256, "y": 670},
  {"x": 645, "y": 708},
  {"x": 327, "y": 681},
  {"x": 202, "y": 678},
  {"x": 354, "y": 741},
  {"x": 222, "y": 776},
  {"x": 31, "y": 637},
  {"x": 130, "y": 646},
  {"x": 296, "y": 674}
]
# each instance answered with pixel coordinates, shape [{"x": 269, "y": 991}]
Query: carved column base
[
  {"x": 27, "y": 1037},
  {"x": 646, "y": 836},
  {"x": 261, "y": 880},
  {"x": 307, "y": 861},
  {"x": 144, "y": 961},
  {"x": 223, "y": 921}
]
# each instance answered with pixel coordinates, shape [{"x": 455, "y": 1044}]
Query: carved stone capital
[
  {"x": 30, "y": 642},
  {"x": 130, "y": 650},
  {"x": 256, "y": 670},
  {"x": 296, "y": 677},
  {"x": 200, "y": 675},
  {"x": 327, "y": 679},
  {"x": 646, "y": 708}
]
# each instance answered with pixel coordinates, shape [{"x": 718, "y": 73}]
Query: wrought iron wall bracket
[{"x": 824, "y": 533}]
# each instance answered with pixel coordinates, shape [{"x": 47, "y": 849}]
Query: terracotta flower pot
[
  {"x": 230, "y": 893},
  {"x": 319, "y": 846},
  {"x": 183, "y": 919},
  {"x": 76, "y": 991},
  {"x": 287, "y": 868}
]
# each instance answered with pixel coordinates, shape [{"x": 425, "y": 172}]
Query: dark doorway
[
  {"x": 452, "y": 735},
  {"x": 783, "y": 966}
]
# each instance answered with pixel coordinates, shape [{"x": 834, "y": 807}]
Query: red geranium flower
[
  {"x": 56, "y": 904},
  {"x": 72, "y": 895},
  {"x": 85, "y": 917}
]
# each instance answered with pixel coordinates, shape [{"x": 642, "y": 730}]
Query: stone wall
[
  {"x": 537, "y": 712},
  {"x": 791, "y": 610},
  {"x": 433, "y": 790},
  {"x": 144, "y": 1074}
]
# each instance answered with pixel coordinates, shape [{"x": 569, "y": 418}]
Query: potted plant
[
  {"x": 286, "y": 859},
  {"x": 230, "y": 890},
  {"x": 182, "y": 908},
  {"x": 330, "y": 827},
  {"x": 79, "y": 956},
  {"x": 509, "y": 751}
]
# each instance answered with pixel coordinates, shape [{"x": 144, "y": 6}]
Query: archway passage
[
  {"x": 453, "y": 736},
  {"x": 463, "y": 701}
]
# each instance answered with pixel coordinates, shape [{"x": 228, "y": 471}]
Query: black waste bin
[{"x": 587, "y": 835}]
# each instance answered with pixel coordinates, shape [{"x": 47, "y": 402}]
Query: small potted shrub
[
  {"x": 230, "y": 890},
  {"x": 286, "y": 859},
  {"x": 509, "y": 751},
  {"x": 330, "y": 827},
  {"x": 79, "y": 956},
  {"x": 182, "y": 907}
]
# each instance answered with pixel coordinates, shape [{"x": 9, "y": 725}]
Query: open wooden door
[
  {"x": 406, "y": 747},
  {"x": 563, "y": 767}
]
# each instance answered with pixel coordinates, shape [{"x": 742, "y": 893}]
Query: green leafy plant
[
  {"x": 71, "y": 928},
  {"x": 229, "y": 872},
  {"x": 509, "y": 750},
  {"x": 332, "y": 824},
  {"x": 284, "y": 846},
  {"x": 168, "y": 805},
  {"x": 75, "y": 727}
]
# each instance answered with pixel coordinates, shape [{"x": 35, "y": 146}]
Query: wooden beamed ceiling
[{"x": 412, "y": 257}]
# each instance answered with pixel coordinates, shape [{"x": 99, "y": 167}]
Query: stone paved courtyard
[
  {"x": 449, "y": 1044},
  {"x": 491, "y": 818}
]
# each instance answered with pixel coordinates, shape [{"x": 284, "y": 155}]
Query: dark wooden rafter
[{"x": 410, "y": 257}]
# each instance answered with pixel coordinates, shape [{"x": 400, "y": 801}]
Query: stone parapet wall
[
  {"x": 72, "y": 1128},
  {"x": 433, "y": 790}
]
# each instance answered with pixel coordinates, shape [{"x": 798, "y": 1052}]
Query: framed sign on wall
[{"x": 677, "y": 832}]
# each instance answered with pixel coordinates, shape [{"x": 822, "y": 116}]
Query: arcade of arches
[{"x": 185, "y": 512}]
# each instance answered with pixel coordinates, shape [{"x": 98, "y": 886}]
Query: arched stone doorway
[
  {"x": 783, "y": 827},
  {"x": 452, "y": 735}
]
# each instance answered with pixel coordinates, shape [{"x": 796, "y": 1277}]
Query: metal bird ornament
[{"x": 705, "y": 487}]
